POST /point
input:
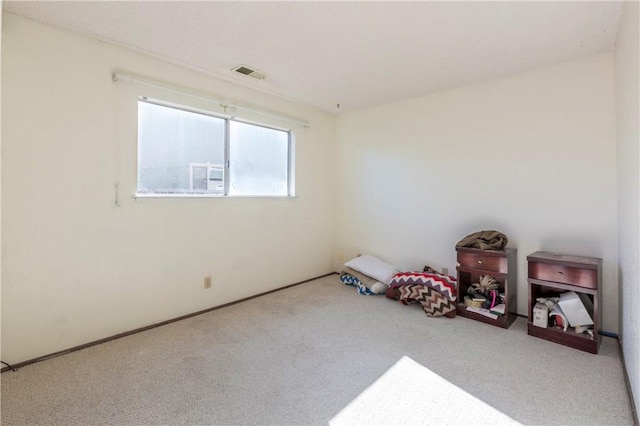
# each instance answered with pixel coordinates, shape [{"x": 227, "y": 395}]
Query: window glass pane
[
  {"x": 199, "y": 177},
  {"x": 179, "y": 151},
  {"x": 259, "y": 159}
]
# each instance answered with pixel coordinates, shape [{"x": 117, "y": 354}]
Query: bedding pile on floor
[
  {"x": 435, "y": 292},
  {"x": 368, "y": 274},
  {"x": 366, "y": 285}
]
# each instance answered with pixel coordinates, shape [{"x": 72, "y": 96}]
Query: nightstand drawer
[
  {"x": 587, "y": 278},
  {"x": 483, "y": 262}
]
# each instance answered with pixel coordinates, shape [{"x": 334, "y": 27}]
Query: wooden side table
[
  {"x": 551, "y": 274},
  {"x": 499, "y": 264}
]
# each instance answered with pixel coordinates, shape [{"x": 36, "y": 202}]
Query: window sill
[{"x": 159, "y": 195}]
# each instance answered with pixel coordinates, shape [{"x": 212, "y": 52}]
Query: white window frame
[{"x": 225, "y": 167}]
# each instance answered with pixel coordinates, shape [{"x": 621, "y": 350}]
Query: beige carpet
[{"x": 318, "y": 353}]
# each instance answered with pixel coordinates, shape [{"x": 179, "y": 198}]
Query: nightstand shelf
[
  {"x": 499, "y": 264},
  {"x": 551, "y": 274}
]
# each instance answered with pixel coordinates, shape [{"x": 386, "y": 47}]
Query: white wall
[
  {"x": 77, "y": 268},
  {"x": 627, "y": 64},
  {"x": 532, "y": 155}
]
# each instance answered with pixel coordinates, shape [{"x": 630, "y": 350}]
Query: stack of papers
[
  {"x": 498, "y": 309},
  {"x": 482, "y": 311}
]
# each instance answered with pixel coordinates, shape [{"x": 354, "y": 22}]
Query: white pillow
[{"x": 373, "y": 267}]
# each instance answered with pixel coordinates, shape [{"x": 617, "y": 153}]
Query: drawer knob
[
  {"x": 480, "y": 261},
  {"x": 561, "y": 273}
]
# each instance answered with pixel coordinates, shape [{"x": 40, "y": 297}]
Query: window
[{"x": 181, "y": 151}]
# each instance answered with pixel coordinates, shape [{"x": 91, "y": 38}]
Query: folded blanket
[
  {"x": 364, "y": 279},
  {"x": 433, "y": 303},
  {"x": 366, "y": 285},
  {"x": 435, "y": 292},
  {"x": 442, "y": 283},
  {"x": 484, "y": 240}
]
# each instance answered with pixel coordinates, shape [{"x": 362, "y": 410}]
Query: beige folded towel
[{"x": 366, "y": 280}]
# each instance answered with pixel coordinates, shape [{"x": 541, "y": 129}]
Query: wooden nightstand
[
  {"x": 551, "y": 274},
  {"x": 499, "y": 264}
]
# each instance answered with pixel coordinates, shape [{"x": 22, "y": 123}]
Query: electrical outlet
[
  {"x": 207, "y": 281},
  {"x": 341, "y": 256},
  {"x": 445, "y": 271}
]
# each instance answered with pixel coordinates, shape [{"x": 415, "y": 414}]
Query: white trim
[
  {"x": 116, "y": 77},
  {"x": 143, "y": 195}
]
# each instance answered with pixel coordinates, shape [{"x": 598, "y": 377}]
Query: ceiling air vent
[{"x": 250, "y": 72}]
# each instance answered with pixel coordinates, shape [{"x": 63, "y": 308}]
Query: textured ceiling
[{"x": 356, "y": 54}]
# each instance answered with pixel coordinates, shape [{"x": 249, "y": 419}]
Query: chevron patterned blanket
[
  {"x": 441, "y": 283},
  {"x": 433, "y": 303},
  {"x": 436, "y": 293}
]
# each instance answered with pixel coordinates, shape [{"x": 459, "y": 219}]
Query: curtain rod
[{"x": 116, "y": 76}]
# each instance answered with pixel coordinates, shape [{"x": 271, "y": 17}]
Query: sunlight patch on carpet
[{"x": 411, "y": 394}]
